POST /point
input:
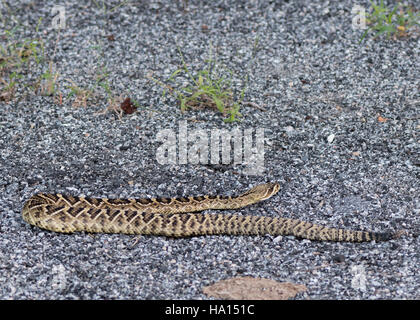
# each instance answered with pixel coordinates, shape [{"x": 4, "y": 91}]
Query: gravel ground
[{"x": 341, "y": 130}]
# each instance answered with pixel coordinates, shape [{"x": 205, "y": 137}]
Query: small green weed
[
  {"x": 21, "y": 58},
  {"x": 49, "y": 78},
  {"x": 81, "y": 95},
  {"x": 15, "y": 60},
  {"x": 102, "y": 80},
  {"x": 210, "y": 87},
  {"x": 104, "y": 8},
  {"x": 392, "y": 22}
]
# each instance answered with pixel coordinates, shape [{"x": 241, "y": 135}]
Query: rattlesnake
[{"x": 173, "y": 217}]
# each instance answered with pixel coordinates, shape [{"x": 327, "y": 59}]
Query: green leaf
[
  {"x": 364, "y": 34},
  {"x": 183, "y": 105},
  {"x": 391, "y": 14},
  {"x": 387, "y": 29},
  {"x": 200, "y": 80},
  {"x": 219, "y": 104},
  {"x": 174, "y": 74}
]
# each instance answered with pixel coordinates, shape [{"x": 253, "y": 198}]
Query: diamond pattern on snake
[{"x": 177, "y": 217}]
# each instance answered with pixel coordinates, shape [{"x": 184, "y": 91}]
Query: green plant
[
  {"x": 9, "y": 87},
  {"x": 101, "y": 72},
  {"x": 81, "y": 95},
  {"x": 392, "y": 22},
  {"x": 100, "y": 86},
  {"x": 104, "y": 6},
  {"x": 17, "y": 58},
  {"x": 49, "y": 78},
  {"x": 209, "y": 87},
  {"x": 102, "y": 80},
  {"x": 17, "y": 54}
]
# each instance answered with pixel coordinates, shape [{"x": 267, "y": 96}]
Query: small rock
[
  {"x": 277, "y": 239},
  {"x": 338, "y": 258}
]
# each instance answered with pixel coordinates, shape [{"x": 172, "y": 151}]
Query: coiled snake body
[{"x": 173, "y": 217}]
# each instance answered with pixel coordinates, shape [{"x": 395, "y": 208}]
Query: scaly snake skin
[{"x": 172, "y": 217}]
